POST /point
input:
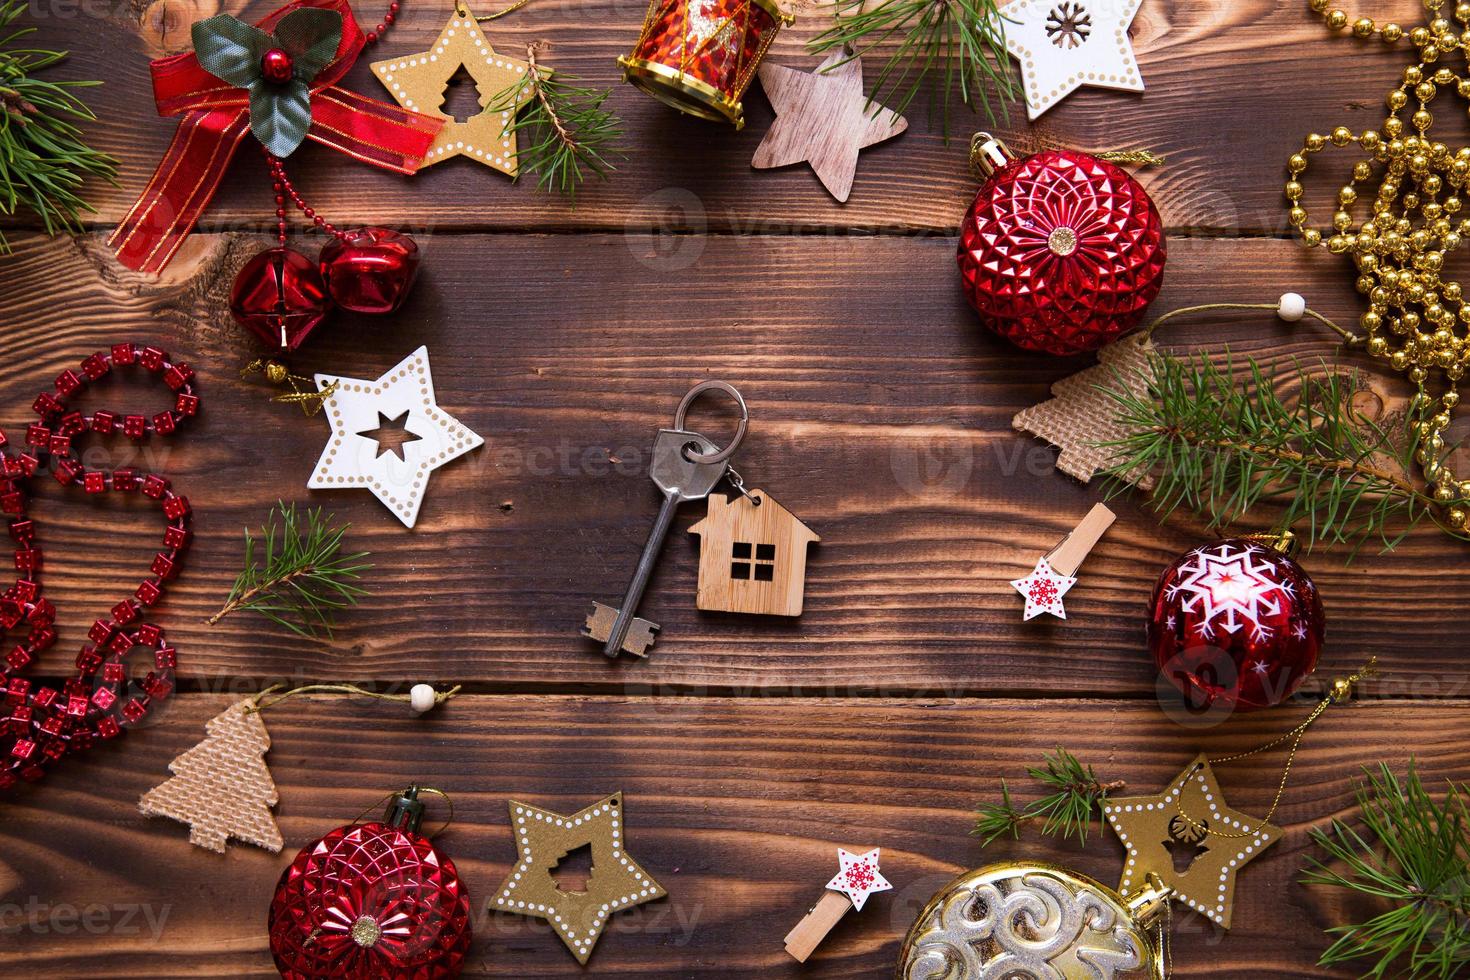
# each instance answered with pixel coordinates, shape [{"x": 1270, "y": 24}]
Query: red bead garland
[{"x": 41, "y": 725}]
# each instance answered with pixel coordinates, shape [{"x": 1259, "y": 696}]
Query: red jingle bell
[
  {"x": 370, "y": 901},
  {"x": 1061, "y": 252},
  {"x": 1236, "y": 624},
  {"x": 279, "y": 294},
  {"x": 370, "y": 270}
]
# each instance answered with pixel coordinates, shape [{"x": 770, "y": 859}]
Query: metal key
[{"x": 681, "y": 479}]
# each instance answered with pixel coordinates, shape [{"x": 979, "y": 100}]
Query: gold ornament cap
[
  {"x": 1036, "y": 920},
  {"x": 988, "y": 154}
]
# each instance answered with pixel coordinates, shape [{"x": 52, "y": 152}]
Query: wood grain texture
[
  {"x": 735, "y": 806},
  {"x": 749, "y": 747}
]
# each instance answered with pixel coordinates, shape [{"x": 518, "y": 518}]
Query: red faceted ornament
[
  {"x": 1061, "y": 252},
  {"x": 279, "y": 294},
  {"x": 370, "y": 270},
  {"x": 370, "y": 901},
  {"x": 1236, "y": 624}
]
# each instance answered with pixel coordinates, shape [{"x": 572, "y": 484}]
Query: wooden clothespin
[
  {"x": 857, "y": 878},
  {"x": 1056, "y": 570}
]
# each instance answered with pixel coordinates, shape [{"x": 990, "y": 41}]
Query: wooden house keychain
[{"x": 753, "y": 550}]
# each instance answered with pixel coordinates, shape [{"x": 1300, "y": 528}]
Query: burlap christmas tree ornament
[
  {"x": 221, "y": 787},
  {"x": 1081, "y": 419}
]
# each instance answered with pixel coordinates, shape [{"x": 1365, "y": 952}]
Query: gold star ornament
[
  {"x": 824, "y": 119},
  {"x": 543, "y": 839},
  {"x": 418, "y": 82},
  {"x": 1191, "y": 839}
]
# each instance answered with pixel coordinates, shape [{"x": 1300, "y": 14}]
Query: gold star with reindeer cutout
[
  {"x": 1191, "y": 839},
  {"x": 417, "y": 81},
  {"x": 616, "y": 882}
]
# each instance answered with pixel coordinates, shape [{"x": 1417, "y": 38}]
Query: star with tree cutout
[
  {"x": 823, "y": 118},
  {"x": 1192, "y": 811},
  {"x": 1065, "y": 44},
  {"x": 543, "y": 838},
  {"x": 1231, "y": 588},
  {"x": 858, "y": 877},
  {"x": 354, "y": 457},
  {"x": 1043, "y": 590},
  {"x": 418, "y": 82}
]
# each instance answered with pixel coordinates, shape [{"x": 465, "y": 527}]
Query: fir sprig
[
  {"x": 1416, "y": 857},
  {"x": 570, "y": 133},
  {"x": 1222, "y": 448},
  {"x": 303, "y": 579},
  {"x": 1067, "y": 811},
  {"x": 43, "y": 160},
  {"x": 952, "y": 43}
]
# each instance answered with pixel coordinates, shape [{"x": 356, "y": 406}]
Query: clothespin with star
[
  {"x": 1056, "y": 570},
  {"x": 857, "y": 878}
]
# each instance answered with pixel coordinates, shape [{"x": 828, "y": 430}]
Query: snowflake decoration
[
  {"x": 1231, "y": 589},
  {"x": 1043, "y": 590},
  {"x": 859, "y": 877},
  {"x": 1068, "y": 25}
]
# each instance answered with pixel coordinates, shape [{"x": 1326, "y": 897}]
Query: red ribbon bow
[{"x": 216, "y": 116}]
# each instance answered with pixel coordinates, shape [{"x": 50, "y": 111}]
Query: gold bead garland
[{"x": 1416, "y": 320}]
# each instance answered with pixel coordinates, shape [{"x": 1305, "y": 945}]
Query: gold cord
[
  {"x": 422, "y": 789},
  {"x": 1138, "y": 158},
  {"x": 464, "y": 11},
  {"x": 1342, "y": 690},
  {"x": 304, "y": 391},
  {"x": 1349, "y": 338},
  {"x": 260, "y": 704}
]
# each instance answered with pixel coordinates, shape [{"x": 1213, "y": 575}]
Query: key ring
[{"x": 699, "y": 389}]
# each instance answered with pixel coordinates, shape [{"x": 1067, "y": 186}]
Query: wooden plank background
[{"x": 881, "y": 414}]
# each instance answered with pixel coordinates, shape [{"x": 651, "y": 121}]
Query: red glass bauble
[
  {"x": 370, "y": 901},
  {"x": 1061, "y": 252},
  {"x": 279, "y": 294},
  {"x": 1236, "y": 624},
  {"x": 370, "y": 270}
]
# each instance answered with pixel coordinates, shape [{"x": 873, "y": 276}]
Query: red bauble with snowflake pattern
[
  {"x": 1061, "y": 252},
  {"x": 1236, "y": 624},
  {"x": 370, "y": 901}
]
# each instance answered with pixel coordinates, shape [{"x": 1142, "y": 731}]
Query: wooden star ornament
[
  {"x": 543, "y": 838},
  {"x": 823, "y": 118},
  {"x": 1191, "y": 839},
  {"x": 1065, "y": 44},
  {"x": 418, "y": 82},
  {"x": 356, "y": 456}
]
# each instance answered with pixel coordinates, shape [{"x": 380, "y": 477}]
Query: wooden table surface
[{"x": 748, "y": 749}]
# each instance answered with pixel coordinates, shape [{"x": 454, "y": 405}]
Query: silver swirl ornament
[{"x": 1033, "y": 922}]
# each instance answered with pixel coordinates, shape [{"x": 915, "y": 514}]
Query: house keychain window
[{"x": 761, "y": 569}]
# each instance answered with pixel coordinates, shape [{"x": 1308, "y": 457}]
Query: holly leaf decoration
[
  {"x": 230, "y": 49},
  {"x": 311, "y": 37}
]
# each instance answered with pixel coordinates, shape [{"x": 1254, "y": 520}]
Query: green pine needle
[
  {"x": 1224, "y": 449},
  {"x": 950, "y": 43},
  {"x": 571, "y": 135},
  {"x": 1416, "y": 858},
  {"x": 43, "y": 160},
  {"x": 1068, "y": 811},
  {"x": 303, "y": 579}
]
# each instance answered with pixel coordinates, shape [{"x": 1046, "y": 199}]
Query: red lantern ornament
[
  {"x": 1237, "y": 624},
  {"x": 1061, "y": 252},
  {"x": 280, "y": 296},
  {"x": 370, "y": 270},
  {"x": 372, "y": 900}
]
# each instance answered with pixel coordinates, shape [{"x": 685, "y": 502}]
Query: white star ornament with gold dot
[
  {"x": 1065, "y": 44},
  {"x": 354, "y": 458}
]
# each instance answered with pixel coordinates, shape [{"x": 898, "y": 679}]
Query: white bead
[
  {"x": 1293, "y": 307},
  {"x": 421, "y": 698}
]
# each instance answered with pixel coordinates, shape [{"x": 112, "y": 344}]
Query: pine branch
[
  {"x": 1415, "y": 857},
  {"x": 1068, "y": 811},
  {"x": 303, "y": 580},
  {"x": 942, "y": 42},
  {"x": 43, "y": 159},
  {"x": 570, "y": 133},
  {"x": 1224, "y": 449}
]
